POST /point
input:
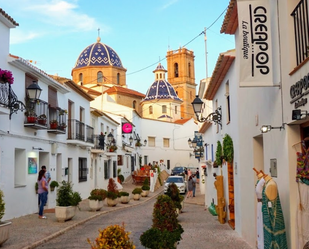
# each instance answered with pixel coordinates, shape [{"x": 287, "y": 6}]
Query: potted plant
[
  {"x": 62, "y": 112},
  {"x": 4, "y": 225},
  {"x": 42, "y": 119},
  {"x": 166, "y": 230},
  {"x": 173, "y": 193},
  {"x": 137, "y": 193},
  {"x": 218, "y": 154},
  {"x": 67, "y": 200},
  {"x": 145, "y": 188},
  {"x": 36, "y": 186},
  {"x": 124, "y": 197},
  {"x": 53, "y": 185},
  {"x": 31, "y": 116},
  {"x": 53, "y": 124},
  {"x": 96, "y": 198},
  {"x": 112, "y": 193},
  {"x": 138, "y": 143},
  {"x": 112, "y": 148},
  {"x": 113, "y": 236},
  {"x": 62, "y": 126},
  {"x": 120, "y": 177}
]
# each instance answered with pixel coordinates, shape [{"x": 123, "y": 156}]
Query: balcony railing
[
  {"x": 89, "y": 133},
  {"x": 301, "y": 31},
  {"x": 36, "y": 114},
  {"x": 9, "y": 99},
  {"x": 99, "y": 142}
]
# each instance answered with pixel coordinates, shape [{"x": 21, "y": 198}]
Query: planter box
[
  {"x": 111, "y": 203},
  {"x": 136, "y": 197},
  {"x": 124, "y": 199},
  {"x": 4, "y": 231},
  {"x": 65, "y": 213},
  {"x": 145, "y": 193},
  {"x": 95, "y": 205}
]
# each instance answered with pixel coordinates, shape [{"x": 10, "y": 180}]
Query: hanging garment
[
  {"x": 302, "y": 215},
  {"x": 273, "y": 222},
  {"x": 259, "y": 215}
]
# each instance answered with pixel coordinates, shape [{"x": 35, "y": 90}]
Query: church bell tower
[{"x": 180, "y": 67}]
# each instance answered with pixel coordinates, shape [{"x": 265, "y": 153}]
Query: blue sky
[{"x": 54, "y": 32}]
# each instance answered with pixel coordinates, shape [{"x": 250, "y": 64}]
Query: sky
[{"x": 52, "y": 33}]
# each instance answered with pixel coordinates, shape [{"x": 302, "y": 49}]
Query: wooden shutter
[{"x": 52, "y": 97}]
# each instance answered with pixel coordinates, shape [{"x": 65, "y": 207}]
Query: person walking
[
  {"x": 197, "y": 176},
  {"x": 193, "y": 184},
  {"x": 186, "y": 174},
  {"x": 190, "y": 187},
  {"x": 43, "y": 192}
]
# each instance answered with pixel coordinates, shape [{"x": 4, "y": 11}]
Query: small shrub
[
  {"x": 113, "y": 236},
  {"x": 165, "y": 230},
  {"x": 112, "y": 186},
  {"x": 111, "y": 195},
  {"x": 146, "y": 185},
  {"x": 121, "y": 178},
  {"x": 173, "y": 193},
  {"x": 66, "y": 196},
  {"x": 54, "y": 184},
  {"x": 98, "y": 194},
  {"x": 137, "y": 191},
  {"x": 2, "y": 204},
  {"x": 122, "y": 193}
]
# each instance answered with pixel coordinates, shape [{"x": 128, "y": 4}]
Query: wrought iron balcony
[
  {"x": 79, "y": 132},
  {"x": 301, "y": 31},
  {"x": 8, "y": 99},
  {"x": 36, "y": 115}
]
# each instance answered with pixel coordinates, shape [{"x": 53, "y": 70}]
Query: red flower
[{"x": 6, "y": 76}]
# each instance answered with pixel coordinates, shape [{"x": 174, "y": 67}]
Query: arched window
[
  {"x": 99, "y": 77},
  {"x": 80, "y": 77},
  {"x": 118, "y": 78},
  {"x": 160, "y": 75},
  {"x": 189, "y": 69},
  {"x": 163, "y": 108},
  {"x": 157, "y": 76},
  {"x": 134, "y": 104},
  {"x": 175, "y": 109},
  {"x": 150, "y": 110},
  {"x": 176, "y": 70}
]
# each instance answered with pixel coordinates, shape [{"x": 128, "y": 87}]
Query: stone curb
[{"x": 52, "y": 236}]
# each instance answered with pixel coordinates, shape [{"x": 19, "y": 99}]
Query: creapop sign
[
  {"x": 298, "y": 91},
  {"x": 258, "y": 32}
]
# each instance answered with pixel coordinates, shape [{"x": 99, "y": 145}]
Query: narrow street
[{"x": 202, "y": 230}]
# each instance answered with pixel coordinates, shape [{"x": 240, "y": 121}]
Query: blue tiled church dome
[
  {"x": 98, "y": 54},
  {"x": 161, "y": 89}
]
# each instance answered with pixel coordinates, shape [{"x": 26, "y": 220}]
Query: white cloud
[
  {"x": 64, "y": 14},
  {"x": 18, "y": 36},
  {"x": 169, "y": 4}
]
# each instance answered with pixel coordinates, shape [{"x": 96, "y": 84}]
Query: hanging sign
[{"x": 258, "y": 36}]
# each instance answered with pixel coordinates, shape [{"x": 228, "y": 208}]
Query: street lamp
[{"x": 215, "y": 116}]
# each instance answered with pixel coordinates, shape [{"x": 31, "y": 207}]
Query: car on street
[
  {"x": 178, "y": 171},
  {"x": 179, "y": 181}
]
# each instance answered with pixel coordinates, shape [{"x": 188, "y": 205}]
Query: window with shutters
[
  {"x": 52, "y": 97},
  {"x": 166, "y": 142},
  {"x": 114, "y": 169},
  {"x": 151, "y": 141},
  {"x": 82, "y": 169}
]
